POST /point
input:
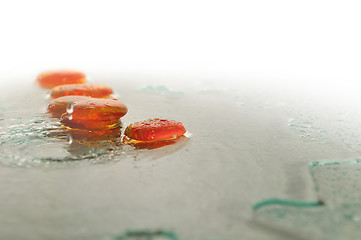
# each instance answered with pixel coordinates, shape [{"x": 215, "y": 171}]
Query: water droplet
[
  {"x": 70, "y": 108},
  {"x": 69, "y": 139}
]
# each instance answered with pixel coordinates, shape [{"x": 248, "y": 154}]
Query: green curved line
[
  {"x": 335, "y": 162},
  {"x": 148, "y": 234},
  {"x": 285, "y": 202}
]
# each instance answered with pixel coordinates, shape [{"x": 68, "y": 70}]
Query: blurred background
[{"x": 308, "y": 40}]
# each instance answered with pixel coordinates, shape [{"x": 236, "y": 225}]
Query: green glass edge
[
  {"x": 149, "y": 234},
  {"x": 334, "y": 162},
  {"x": 285, "y": 202}
]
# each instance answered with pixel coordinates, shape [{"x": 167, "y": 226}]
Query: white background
[{"x": 292, "y": 39}]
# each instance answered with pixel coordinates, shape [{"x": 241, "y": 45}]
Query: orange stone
[
  {"x": 68, "y": 122},
  {"x": 155, "y": 130},
  {"x": 96, "y": 91},
  {"x": 94, "y": 114},
  {"x": 51, "y": 79},
  {"x": 58, "y": 106}
]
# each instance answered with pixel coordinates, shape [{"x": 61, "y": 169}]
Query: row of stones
[{"x": 86, "y": 108}]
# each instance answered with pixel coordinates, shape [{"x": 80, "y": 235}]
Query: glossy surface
[
  {"x": 51, "y": 79},
  {"x": 69, "y": 122},
  {"x": 94, "y": 114},
  {"x": 155, "y": 130},
  {"x": 90, "y": 90},
  {"x": 58, "y": 106},
  {"x": 94, "y": 109}
]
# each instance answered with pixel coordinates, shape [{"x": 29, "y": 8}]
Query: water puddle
[
  {"x": 37, "y": 140},
  {"x": 31, "y": 138}
]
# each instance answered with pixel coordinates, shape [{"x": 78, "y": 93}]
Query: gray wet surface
[{"x": 247, "y": 143}]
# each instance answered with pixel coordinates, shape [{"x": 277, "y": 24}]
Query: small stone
[
  {"x": 95, "y": 114},
  {"x": 155, "y": 130},
  {"x": 91, "y": 90},
  {"x": 51, "y": 79},
  {"x": 58, "y": 106}
]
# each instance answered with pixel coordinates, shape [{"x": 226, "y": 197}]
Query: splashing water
[
  {"x": 33, "y": 141},
  {"x": 30, "y": 141}
]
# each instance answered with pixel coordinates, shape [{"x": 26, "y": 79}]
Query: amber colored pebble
[
  {"x": 153, "y": 145},
  {"x": 94, "y": 114},
  {"x": 51, "y": 79},
  {"x": 155, "y": 130},
  {"x": 96, "y": 109},
  {"x": 91, "y": 90},
  {"x": 69, "y": 122},
  {"x": 58, "y": 106}
]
